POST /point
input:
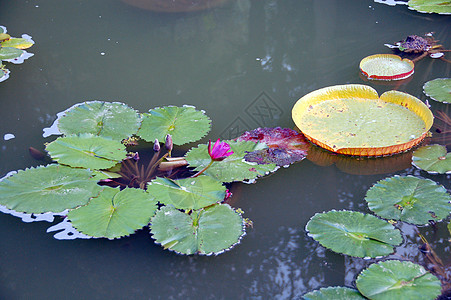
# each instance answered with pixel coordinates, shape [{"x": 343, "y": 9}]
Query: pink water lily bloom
[{"x": 220, "y": 150}]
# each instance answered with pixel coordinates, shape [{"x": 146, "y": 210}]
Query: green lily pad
[
  {"x": 10, "y": 53},
  {"x": 334, "y": 293},
  {"x": 53, "y": 188},
  {"x": 394, "y": 279},
  {"x": 207, "y": 231},
  {"x": 114, "y": 120},
  {"x": 87, "y": 151},
  {"x": 441, "y": 7},
  {"x": 189, "y": 193},
  {"x": 438, "y": 89},
  {"x": 433, "y": 159},
  {"x": 409, "y": 199},
  {"x": 114, "y": 213},
  {"x": 234, "y": 167},
  {"x": 19, "y": 43},
  {"x": 185, "y": 124},
  {"x": 353, "y": 233}
]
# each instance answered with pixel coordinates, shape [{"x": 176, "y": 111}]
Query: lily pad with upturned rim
[
  {"x": 352, "y": 119},
  {"x": 433, "y": 159},
  {"x": 386, "y": 67},
  {"x": 438, "y": 89},
  {"x": 353, "y": 233},
  {"x": 207, "y": 231},
  {"x": 114, "y": 213},
  {"x": 53, "y": 188},
  {"x": 441, "y": 7},
  {"x": 185, "y": 124},
  {"x": 394, "y": 279},
  {"x": 409, "y": 199},
  {"x": 334, "y": 293}
]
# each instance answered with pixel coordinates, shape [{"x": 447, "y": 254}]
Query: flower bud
[
  {"x": 156, "y": 146},
  {"x": 169, "y": 145}
]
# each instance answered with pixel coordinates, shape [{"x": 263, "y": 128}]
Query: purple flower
[{"x": 219, "y": 151}]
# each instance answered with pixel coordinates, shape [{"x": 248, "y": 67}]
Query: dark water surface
[{"x": 245, "y": 63}]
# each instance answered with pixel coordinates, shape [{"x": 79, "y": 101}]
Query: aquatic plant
[
  {"x": 438, "y": 89},
  {"x": 386, "y": 67},
  {"x": 12, "y": 50},
  {"x": 433, "y": 159}
]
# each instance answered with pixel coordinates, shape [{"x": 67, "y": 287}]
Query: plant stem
[{"x": 203, "y": 170}]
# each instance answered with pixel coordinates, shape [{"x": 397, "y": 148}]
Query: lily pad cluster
[
  {"x": 12, "y": 50},
  {"x": 107, "y": 190}
]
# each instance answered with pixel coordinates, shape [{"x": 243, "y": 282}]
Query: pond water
[{"x": 245, "y": 63}]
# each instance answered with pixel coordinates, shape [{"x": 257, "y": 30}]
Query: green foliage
[
  {"x": 438, "y": 89},
  {"x": 10, "y": 53},
  {"x": 113, "y": 120},
  {"x": 409, "y": 199},
  {"x": 114, "y": 213},
  {"x": 86, "y": 151},
  {"x": 185, "y": 124},
  {"x": 353, "y": 233},
  {"x": 334, "y": 293},
  {"x": 441, "y": 7},
  {"x": 234, "y": 167},
  {"x": 432, "y": 159},
  {"x": 189, "y": 193},
  {"x": 53, "y": 188},
  {"x": 206, "y": 231},
  {"x": 395, "y": 279}
]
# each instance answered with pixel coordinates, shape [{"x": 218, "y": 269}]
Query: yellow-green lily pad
[{"x": 438, "y": 89}]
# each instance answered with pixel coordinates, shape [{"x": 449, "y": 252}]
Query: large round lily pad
[
  {"x": 185, "y": 124},
  {"x": 334, "y": 293},
  {"x": 206, "y": 231},
  {"x": 409, "y": 199},
  {"x": 433, "y": 159},
  {"x": 114, "y": 213},
  {"x": 442, "y": 7},
  {"x": 395, "y": 279},
  {"x": 386, "y": 67},
  {"x": 353, "y": 233},
  {"x": 114, "y": 120},
  {"x": 53, "y": 188},
  {"x": 438, "y": 89},
  {"x": 352, "y": 119}
]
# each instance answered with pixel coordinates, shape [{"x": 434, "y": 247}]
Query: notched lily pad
[
  {"x": 334, "y": 293},
  {"x": 433, "y": 159},
  {"x": 409, "y": 199},
  {"x": 185, "y": 124},
  {"x": 234, "y": 167},
  {"x": 114, "y": 213},
  {"x": 285, "y": 146},
  {"x": 394, "y": 279},
  {"x": 353, "y": 233},
  {"x": 438, "y": 89},
  {"x": 189, "y": 193},
  {"x": 108, "y": 119},
  {"x": 386, "y": 67},
  {"x": 87, "y": 151},
  {"x": 212, "y": 230},
  {"x": 53, "y": 188}
]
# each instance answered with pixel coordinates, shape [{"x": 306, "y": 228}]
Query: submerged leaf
[
  {"x": 286, "y": 146},
  {"x": 432, "y": 159},
  {"x": 114, "y": 213},
  {"x": 114, "y": 120},
  {"x": 394, "y": 279},
  {"x": 207, "y": 231},
  {"x": 438, "y": 89},
  {"x": 409, "y": 199},
  {"x": 232, "y": 168},
  {"x": 87, "y": 151},
  {"x": 53, "y": 188},
  {"x": 188, "y": 193},
  {"x": 353, "y": 233},
  {"x": 334, "y": 293},
  {"x": 185, "y": 124}
]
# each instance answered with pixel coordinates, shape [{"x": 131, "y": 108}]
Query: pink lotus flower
[{"x": 220, "y": 150}]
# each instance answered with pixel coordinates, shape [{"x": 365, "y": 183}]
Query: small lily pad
[
  {"x": 433, "y": 159},
  {"x": 188, "y": 193},
  {"x": 53, "y": 188},
  {"x": 185, "y": 124},
  {"x": 87, "y": 151},
  {"x": 207, "y": 231},
  {"x": 334, "y": 293},
  {"x": 20, "y": 43},
  {"x": 114, "y": 213},
  {"x": 438, "y": 89},
  {"x": 386, "y": 67},
  {"x": 442, "y": 7},
  {"x": 4, "y": 73},
  {"x": 10, "y": 53},
  {"x": 234, "y": 167},
  {"x": 394, "y": 279},
  {"x": 353, "y": 233},
  {"x": 114, "y": 120},
  {"x": 409, "y": 199}
]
